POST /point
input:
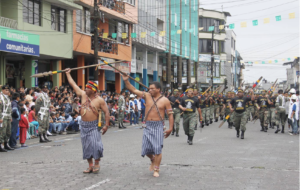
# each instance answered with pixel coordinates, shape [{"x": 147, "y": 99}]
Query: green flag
[
  {"x": 231, "y": 26},
  {"x": 278, "y": 18},
  {"x": 114, "y": 35}
]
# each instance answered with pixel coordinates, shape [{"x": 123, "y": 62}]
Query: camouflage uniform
[
  {"x": 222, "y": 111},
  {"x": 205, "y": 110},
  {"x": 211, "y": 111},
  {"x": 5, "y": 115},
  {"x": 251, "y": 109},
  {"x": 176, "y": 116},
  {"x": 263, "y": 113},
  {"x": 121, "y": 109},
  {"x": 216, "y": 108},
  {"x": 189, "y": 122},
  {"x": 42, "y": 107},
  {"x": 280, "y": 108}
]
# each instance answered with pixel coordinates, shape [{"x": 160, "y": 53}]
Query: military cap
[{"x": 5, "y": 87}]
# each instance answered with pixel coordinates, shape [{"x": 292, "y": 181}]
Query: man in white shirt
[
  {"x": 139, "y": 108},
  {"x": 131, "y": 110},
  {"x": 293, "y": 115}
]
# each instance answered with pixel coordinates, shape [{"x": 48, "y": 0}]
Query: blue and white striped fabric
[
  {"x": 91, "y": 140},
  {"x": 153, "y": 137}
]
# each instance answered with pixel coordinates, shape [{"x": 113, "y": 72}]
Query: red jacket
[{"x": 23, "y": 122}]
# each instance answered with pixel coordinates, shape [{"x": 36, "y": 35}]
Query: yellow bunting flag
[
  {"x": 229, "y": 61},
  {"x": 296, "y": 57},
  {"x": 143, "y": 34},
  {"x": 270, "y": 61},
  {"x": 291, "y": 15},
  {"x": 221, "y": 27},
  {"x": 242, "y": 61},
  {"x": 283, "y": 59},
  {"x": 124, "y": 35},
  {"x": 162, "y": 33},
  {"x": 104, "y": 35},
  {"x": 179, "y": 31},
  {"x": 243, "y": 24},
  {"x": 266, "y": 20},
  {"x": 201, "y": 28},
  {"x": 256, "y": 62}
]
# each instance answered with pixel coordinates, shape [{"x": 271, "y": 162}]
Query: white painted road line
[{"x": 97, "y": 184}]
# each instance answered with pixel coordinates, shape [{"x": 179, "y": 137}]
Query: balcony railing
[
  {"x": 106, "y": 45},
  {"x": 9, "y": 23},
  {"x": 114, "y": 5}
]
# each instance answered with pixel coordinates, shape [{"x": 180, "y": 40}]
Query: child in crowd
[
  {"x": 24, "y": 125},
  {"x": 33, "y": 122}
]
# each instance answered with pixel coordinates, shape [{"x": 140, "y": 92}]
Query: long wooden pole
[
  {"x": 124, "y": 74},
  {"x": 76, "y": 68}
]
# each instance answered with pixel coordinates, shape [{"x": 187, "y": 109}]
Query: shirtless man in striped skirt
[
  {"x": 91, "y": 107},
  {"x": 154, "y": 131}
]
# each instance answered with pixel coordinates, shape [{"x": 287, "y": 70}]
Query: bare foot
[
  {"x": 156, "y": 174},
  {"x": 151, "y": 168}
]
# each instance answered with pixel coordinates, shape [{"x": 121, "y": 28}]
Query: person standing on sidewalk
[
  {"x": 293, "y": 115},
  {"x": 189, "y": 104},
  {"x": 143, "y": 104},
  {"x": 153, "y": 133},
  {"x": 121, "y": 109},
  {"x": 16, "y": 116},
  {"x": 91, "y": 109},
  {"x": 131, "y": 110},
  {"x": 241, "y": 116},
  {"x": 5, "y": 119},
  {"x": 175, "y": 102}
]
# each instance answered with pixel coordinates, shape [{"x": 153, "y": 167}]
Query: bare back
[{"x": 162, "y": 105}]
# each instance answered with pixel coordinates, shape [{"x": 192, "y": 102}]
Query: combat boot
[
  {"x": 177, "y": 130},
  {"x": 277, "y": 129},
  {"x": 202, "y": 124},
  {"x": 172, "y": 132},
  {"x": 207, "y": 123},
  {"x": 188, "y": 140},
  {"x": 242, "y": 135},
  {"x": 262, "y": 129},
  {"x": 230, "y": 125},
  {"x": 237, "y": 133},
  {"x": 42, "y": 140},
  {"x": 46, "y": 138},
  {"x": 2, "y": 149},
  {"x": 191, "y": 140},
  {"x": 195, "y": 127},
  {"x": 211, "y": 121},
  {"x": 216, "y": 120},
  {"x": 7, "y": 147},
  {"x": 282, "y": 130},
  {"x": 265, "y": 129}
]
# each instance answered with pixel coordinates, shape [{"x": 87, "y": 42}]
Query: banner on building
[
  {"x": 202, "y": 73},
  {"x": 139, "y": 66},
  {"x": 133, "y": 66}
]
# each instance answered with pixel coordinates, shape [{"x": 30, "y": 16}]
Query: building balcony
[
  {"x": 9, "y": 23},
  {"x": 106, "y": 45},
  {"x": 113, "y": 5}
]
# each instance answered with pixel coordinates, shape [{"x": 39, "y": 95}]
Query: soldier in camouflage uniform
[
  {"x": 227, "y": 101},
  {"x": 5, "y": 119},
  {"x": 239, "y": 105},
  {"x": 221, "y": 106},
  {"x": 42, "y": 107},
  {"x": 175, "y": 102},
  {"x": 189, "y": 104},
  {"x": 280, "y": 110},
  {"x": 205, "y": 102},
  {"x": 272, "y": 114},
  {"x": 121, "y": 109},
  {"x": 216, "y": 106},
  {"x": 263, "y": 107},
  {"x": 251, "y": 109},
  {"x": 233, "y": 95}
]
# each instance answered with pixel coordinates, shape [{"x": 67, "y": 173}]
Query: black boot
[
  {"x": 262, "y": 129},
  {"x": 230, "y": 125},
  {"x": 277, "y": 129},
  {"x": 216, "y": 120},
  {"x": 188, "y": 140},
  {"x": 123, "y": 125},
  {"x": 282, "y": 130},
  {"x": 237, "y": 133},
  {"x": 42, "y": 140},
  {"x": 7, "y": 147},
  {"x": 195, "y": 127},
  {"x": 173, "y": 132},
  {"x": 221, "y": 118},
  {"x": 242, "y": 135},
  {"x": 177, "y": 131},
  {"x": 191, "y": 140},
  {"x": 202, "y": 124},
  {"x": 46, "y": 138},
  {"x": 120, "y": 126},
  {"x": 207, "y": 123},
  {"x": 2, "y": 149},
  {"x": 266, "y": 129},
  {"x": 211, "y": 121}
]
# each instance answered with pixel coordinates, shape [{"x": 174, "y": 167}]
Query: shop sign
[
  {"x": 17, "y": 41},
  {"x": 123, "y": 66},
  {"x": 150, "y": 68},
  {"x": 207, "y": 58},
  {"x": 216, "y": 80},
  {"x": 139, "y": 66},
  {"x": 133, "y": 66}
]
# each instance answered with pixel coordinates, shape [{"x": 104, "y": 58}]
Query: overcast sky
[{"x": 275, "y": 40}]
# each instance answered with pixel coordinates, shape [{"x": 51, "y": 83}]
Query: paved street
[{"x": 217, "y": 160}]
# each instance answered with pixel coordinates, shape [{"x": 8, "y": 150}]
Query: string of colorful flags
[
  {"x": 191, "y": 30},
  {"x": 267, "y": 61}
]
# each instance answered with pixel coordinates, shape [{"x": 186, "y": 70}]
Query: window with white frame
[
  {"x": 58, "y": 19},
  {"x": 175, "y": 19},
  {"x": 83, "y": 20},
  {"x": 185, "y": 25}
]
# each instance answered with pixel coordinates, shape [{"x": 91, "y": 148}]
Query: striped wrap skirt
[
  {"x": 153, "y": 136},
  {"x": 92, "y": 146}
]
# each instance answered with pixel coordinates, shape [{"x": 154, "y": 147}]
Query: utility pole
[
  {"x": 170, "y": 49},
  {"x": 212, "y": 60},
  {"x": 96, "y": 21}
]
